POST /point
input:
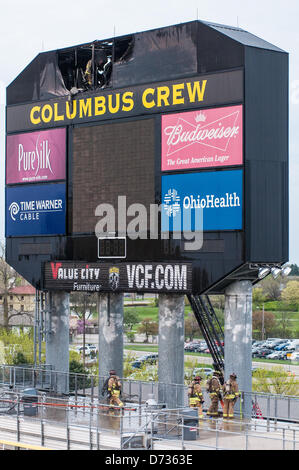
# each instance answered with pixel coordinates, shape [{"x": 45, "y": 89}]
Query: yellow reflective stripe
[{"x": 194, "y": 401}]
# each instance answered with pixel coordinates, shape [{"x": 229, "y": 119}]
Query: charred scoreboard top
[{"x": 156, "y": 161}]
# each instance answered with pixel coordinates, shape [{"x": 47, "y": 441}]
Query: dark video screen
[{"x": 111, "y": 160}]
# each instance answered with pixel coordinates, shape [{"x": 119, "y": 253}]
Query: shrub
[{"x": 277, "y": 380}]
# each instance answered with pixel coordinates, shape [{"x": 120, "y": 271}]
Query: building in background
[{"x": 21, "y": 306}]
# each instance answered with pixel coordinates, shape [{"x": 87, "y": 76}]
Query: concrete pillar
[
  {"x": 111, "y": 340},
  {"x": 57, "y": 338},
  {"x": 238, "y": 339},
  {"x": 171, "y": 349}
]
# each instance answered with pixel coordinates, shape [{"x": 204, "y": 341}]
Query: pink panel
[
  {"x": 36, "y": 156},
  {"x": 202, "y": 139}
]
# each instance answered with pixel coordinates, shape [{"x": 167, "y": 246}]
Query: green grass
[
  {"x": 147, "y": 348},
  {"x": 150, "y": 312}
]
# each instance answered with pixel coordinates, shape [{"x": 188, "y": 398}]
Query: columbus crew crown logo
[{"x": 114, "y": 278}]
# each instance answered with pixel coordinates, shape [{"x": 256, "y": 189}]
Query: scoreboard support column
[
  {"x": 111, "y": 341},
  {"x": 171, "y": 349},
  {"x": 238, "y": 339},
  {"x": 57, "y": 339}
]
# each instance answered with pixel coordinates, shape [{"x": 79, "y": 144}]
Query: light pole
[{"x": 263, "y": 323}]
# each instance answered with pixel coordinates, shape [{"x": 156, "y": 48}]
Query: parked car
[
  {"x": 92, "y": 347},
  {"x": 192, "y": 347},
  {"x": 274, "y": 355},
  {"x": 189, "y": 347},
  {"x": 80, "y": 350},
  {"x": 274, "y": 344},
  {"x": 137, "y": 364},
  {"x": 261, "y": 353},
  {"x": 151, "y": 358},
  {"x": 206, "y": 371},
  {"x": 148, "y": 359},
  {"x": 281, "y": 346},
  {"x": 295, "y": 356}
]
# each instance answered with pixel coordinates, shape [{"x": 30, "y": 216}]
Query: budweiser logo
[{"x": 216, "y": 134}]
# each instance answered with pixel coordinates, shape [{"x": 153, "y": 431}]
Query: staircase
[{"x": 210, "y": 327}]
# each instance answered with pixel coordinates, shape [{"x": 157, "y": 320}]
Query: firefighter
[
  {"x": 230, "y": 395},
  {"x": 195, "y": 396},
  {"x": 114, "y": 389},
  {"x": 214, "y": 389}
]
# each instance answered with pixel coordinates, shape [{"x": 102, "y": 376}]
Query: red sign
[{"x": 202, "y": 139}]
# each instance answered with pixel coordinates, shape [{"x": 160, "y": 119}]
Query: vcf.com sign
[{"x": 123, "y": 277}]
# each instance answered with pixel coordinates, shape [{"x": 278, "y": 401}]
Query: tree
[
  {"x": 84, "y": 304},
  {"x": 148, "y": 327},
  {"x": 284, "y": 324},
  {"x": 257, "y": 321},
  {"x": 295, "y": 270},
  {"x": 130, "y": 319},
  {"x": 291, "y": 292},
  {"x": 191, "y": 327},
  {"x": 258, "y": 296},
  {"x": 9, "y": 279},
  {"x": 271, "y": 287}
]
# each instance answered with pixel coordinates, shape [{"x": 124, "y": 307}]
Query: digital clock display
[{"x": 112, "y": 247}]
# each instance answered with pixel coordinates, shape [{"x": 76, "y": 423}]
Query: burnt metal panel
[
  {"x": 40, "y": 80},
  {"x": 157, "y": 55}
]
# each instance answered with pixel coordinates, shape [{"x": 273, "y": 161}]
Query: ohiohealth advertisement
[
  {"x": 36, "y": 156},
  {"x": 218, "y": 196},
  {"x": 35, "y": 210},
  {"x": 202, "y": 139}
]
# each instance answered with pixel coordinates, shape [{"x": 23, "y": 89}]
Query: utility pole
[{"x": 263, "y": 323}]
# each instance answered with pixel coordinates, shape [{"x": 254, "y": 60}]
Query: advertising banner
[
  {"x": 202, "y": 138},
  {"x": 123, "y": 277},
  {"x": 36, "y": 156},
  {"x": 215, "y": 196},
  {"x": 35, "y": 210},
  {"x": 159, "y": 97}
]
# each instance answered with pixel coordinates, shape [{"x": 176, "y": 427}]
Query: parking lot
[{"x": 272, "y": 348}]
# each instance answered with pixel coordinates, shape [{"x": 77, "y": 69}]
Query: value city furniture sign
[
  {"x": 36, "y": 156},
  {"x": 123, "y": 277}
]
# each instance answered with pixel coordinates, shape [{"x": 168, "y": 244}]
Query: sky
[{"x": 28, "y": 27}]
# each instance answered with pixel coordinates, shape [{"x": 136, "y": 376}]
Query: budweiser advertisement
[
  {"x": 36, "y": 156},
  {"x": 202, "y": 139}
]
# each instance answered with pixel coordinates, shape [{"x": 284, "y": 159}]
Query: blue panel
[
  {"x": 35, "y": 210},
  {"x": 218, "y": 193}
]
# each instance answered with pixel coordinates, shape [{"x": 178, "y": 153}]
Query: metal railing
[
  {"x": 265, "y": 406},
  {"x": 69, "y": 424}
]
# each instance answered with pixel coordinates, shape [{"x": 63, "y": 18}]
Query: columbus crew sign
[{"x": 125, "y": 277}]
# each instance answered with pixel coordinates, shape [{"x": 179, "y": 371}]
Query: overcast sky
[{"x": 28, "y": 27}]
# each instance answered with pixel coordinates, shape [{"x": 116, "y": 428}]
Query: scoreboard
[{"x": 111, "y": 179}]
